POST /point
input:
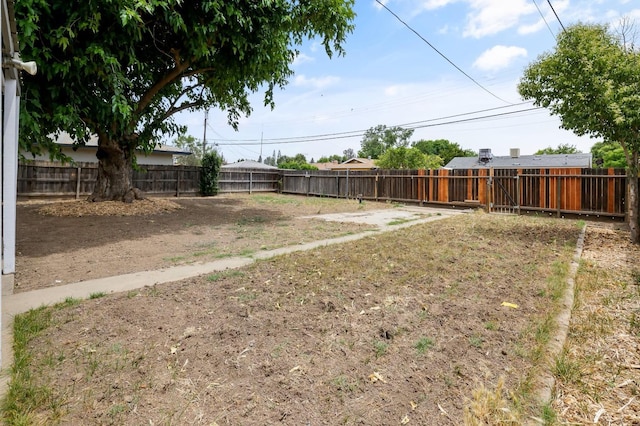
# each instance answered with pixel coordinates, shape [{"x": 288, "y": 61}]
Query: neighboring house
[
  {"x": 350, "y": 164},
  {"x": 486, "y": 160},
  {"x": 248, "y": 164},
  {"x": 162, "y": 155}
]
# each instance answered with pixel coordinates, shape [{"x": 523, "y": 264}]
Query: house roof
[
  {"x": 352, "y": 163},
  {"x": 65, "y": 140},
  {"x": 522, "y": 161},
  {"x": 249, "y": 164}
]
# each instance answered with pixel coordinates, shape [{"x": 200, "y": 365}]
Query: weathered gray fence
[
  {"x": 248, "y": 180},
  {"x": 43, "y": 179},
  {"x": 48, "y": 179}
]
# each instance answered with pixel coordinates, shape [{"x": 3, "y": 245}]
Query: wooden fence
[
  {"x": 48, "y": 179},
  {"x": 597, "y": 192},
  {"x": 44, "y": 179}
]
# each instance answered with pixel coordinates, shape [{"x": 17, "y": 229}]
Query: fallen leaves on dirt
[
  {"x": 148, "y": 206},
  {"x": 598, "y": 378}
]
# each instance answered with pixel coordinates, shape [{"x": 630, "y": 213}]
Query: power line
[
  {"x": 441, "y": 54},
  {"x": 544, "y": 19},
  {"x": 348, "y": 135},
  {"x": 360, "y": 132},
  {"x": 554, "y": 12}
]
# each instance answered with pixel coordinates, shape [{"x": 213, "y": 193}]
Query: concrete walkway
[{"x": 13, "y": 304}]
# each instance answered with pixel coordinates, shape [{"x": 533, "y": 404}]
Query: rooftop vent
[
  {"x": 515, "y": 152},
  {"x": 484, "y": 155}
]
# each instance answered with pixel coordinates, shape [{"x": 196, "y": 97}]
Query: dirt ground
[
  {"x": 397, "y": 328},
  {"x": 53, "y": 250}
]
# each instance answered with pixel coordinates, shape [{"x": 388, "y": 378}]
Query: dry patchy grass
[{"x": 396, "y": 328}]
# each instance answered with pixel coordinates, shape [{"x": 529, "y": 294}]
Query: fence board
[{"x": 581, "y": 191}]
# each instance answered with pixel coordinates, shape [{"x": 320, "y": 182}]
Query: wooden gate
[{"x": 504, "y": 189}]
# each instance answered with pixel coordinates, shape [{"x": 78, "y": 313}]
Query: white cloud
[
  {"x": 301, "y": 58},
  {"x": 532, "y": 28},
  {"x": 499, "y": 57},
  {"x": 489, "y": 17},
  {"x": 435, "y": 4},
  {"x": 315, "y": 83}
]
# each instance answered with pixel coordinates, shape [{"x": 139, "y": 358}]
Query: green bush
[{"x": 209, "y": 176}]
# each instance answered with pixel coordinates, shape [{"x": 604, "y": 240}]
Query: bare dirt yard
[
  {"x": 76, "y": 241},
  {"x": 404, "y": 327}
]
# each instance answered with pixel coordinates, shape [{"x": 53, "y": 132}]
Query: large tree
[
  {"x": 378, "y": 139},
  {"x": 121, "y": 69},
  {"x": 403, "y": 157},
  {"x": 443, "y": 148},
  {"x": 592, "y": 82}
]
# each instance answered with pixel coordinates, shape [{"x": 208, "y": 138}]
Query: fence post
[
  {"x": 178, "y": 182},
  {"x": 250, "y": 182},
  {"x": 518, "y": 190},
  {"x": 558, "y": 194},
  {"x": 346, "y": 195},
  {"x": 78, "y": 171},
  {"x": 490, "y": 191}
]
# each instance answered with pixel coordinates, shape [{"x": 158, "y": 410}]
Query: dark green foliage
[
  {"x": 608, "y": 154},
  {"x": 210, "y": 174},
  {"x": 443, "y": 148},
  {"x": 378, "y": 139},
  {"x": 563, "y": 148}
]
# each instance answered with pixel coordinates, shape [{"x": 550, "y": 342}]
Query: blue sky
[{"x": 391, "y": 76}]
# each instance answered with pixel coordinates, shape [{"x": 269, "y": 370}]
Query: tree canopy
[
  {"x": 608, "y": 155},
  {"x": 563, "y": 148},
  {"x": 378, "y": 139},
  {"x": 192, "y": 145},
  {"x": 403, "y": 157},
  {"x": 592, "y": 82},
  {"x": 443, "y": 148},
  {"x": 120, "y": 69}
]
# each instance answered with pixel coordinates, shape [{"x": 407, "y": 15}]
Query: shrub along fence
[{"x": 595, "y": 192}]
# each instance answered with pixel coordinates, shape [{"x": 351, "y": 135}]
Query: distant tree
[
  {"x": 349, "y": 153},
  {"x": 334, "y": 157},
  {"x": 378, "y": 139},
  {"x": 191, "y": 144},
  {"x": 297, "y": 162},
  {"x": 403, "y": 157},
  {"x": 271, "y": 161},
  {"x": 294, "y": 165},
  {"x": 563, "y": 148},
  {"x": 443, "y": 148},
  {"x": 592, "y": 81},
  {"x": 608, "y": 155}
]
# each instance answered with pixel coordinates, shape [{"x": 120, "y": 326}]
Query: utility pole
[{"x": 204, "y": 138}]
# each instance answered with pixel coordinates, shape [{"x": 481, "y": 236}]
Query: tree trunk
[
  {"x": 633, "y": 205},
  {"x": 115, "y": 169}
]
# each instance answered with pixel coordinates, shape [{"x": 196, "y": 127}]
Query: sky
[{"x": 392, "y": 76}]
